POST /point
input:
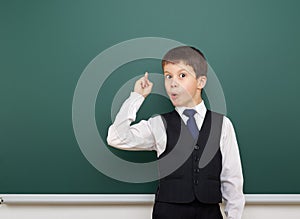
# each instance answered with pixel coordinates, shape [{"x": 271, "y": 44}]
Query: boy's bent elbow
[
  {"x": 113, "y": 143},
  {"x": 111, "y": 139}
]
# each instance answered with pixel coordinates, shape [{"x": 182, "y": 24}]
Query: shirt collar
[{"x": 200, "y": 109}]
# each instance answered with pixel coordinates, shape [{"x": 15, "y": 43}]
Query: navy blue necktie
[{"x": 191, "y": 123}]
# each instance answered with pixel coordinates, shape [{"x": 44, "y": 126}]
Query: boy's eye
[
  {"x": 168, "y": 76},
  {"x": 182, "y": 75}
]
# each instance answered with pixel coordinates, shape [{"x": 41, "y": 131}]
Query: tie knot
[{"x": 189, "y": 112}]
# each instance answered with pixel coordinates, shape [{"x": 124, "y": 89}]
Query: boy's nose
[{"x": 174, "y": 83}]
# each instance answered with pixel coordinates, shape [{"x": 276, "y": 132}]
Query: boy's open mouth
[{"x": 174, "y": 95}]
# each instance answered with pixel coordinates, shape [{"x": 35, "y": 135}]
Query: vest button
[
  {"x": 196, "y": 147},
  {"x": 196, "y": 182}
]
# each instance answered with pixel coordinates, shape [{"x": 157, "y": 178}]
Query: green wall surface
[{"x": 253, "y": 47}]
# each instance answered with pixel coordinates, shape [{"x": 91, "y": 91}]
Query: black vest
[{"x": 189, "y": 182}]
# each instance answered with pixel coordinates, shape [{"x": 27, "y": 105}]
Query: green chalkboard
[{"x": 45, "y": 46}]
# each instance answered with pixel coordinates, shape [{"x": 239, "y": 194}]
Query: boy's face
[{"x": 181, "y": 84}]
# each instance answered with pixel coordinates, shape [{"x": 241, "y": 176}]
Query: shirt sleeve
[
  {"x": 145, "y": 135},
  {"x": 231, "y": 175}
]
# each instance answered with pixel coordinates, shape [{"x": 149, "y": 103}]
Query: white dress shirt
[{"x": 151, "y": 135}]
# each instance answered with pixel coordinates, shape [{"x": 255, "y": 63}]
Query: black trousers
[{"x": 193, "y": 210}]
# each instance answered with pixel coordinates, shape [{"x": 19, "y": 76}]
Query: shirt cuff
[{"x": 136, "y": 95}]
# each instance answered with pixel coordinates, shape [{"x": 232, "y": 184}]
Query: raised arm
[{"x": 121, "y": 133}]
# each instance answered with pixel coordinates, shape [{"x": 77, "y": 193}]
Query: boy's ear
[{"x": 201, "y": 82}]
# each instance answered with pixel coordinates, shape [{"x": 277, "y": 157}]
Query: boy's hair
[{"x": 189, "y": 56}]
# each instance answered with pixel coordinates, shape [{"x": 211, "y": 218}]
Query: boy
[{"x": 190, "y": 191}]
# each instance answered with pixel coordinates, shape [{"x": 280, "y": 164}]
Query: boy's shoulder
[{"x": 227, "y": 123}]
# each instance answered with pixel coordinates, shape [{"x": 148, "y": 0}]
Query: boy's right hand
[{"x": 143, "y": 86}]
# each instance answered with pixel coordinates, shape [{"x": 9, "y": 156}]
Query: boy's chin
[
  {"x": 184, "y": 104},
  {"x": 176, "y": 104}
]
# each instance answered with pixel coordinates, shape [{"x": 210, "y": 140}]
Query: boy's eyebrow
[{"x": 177, "y": 71}]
